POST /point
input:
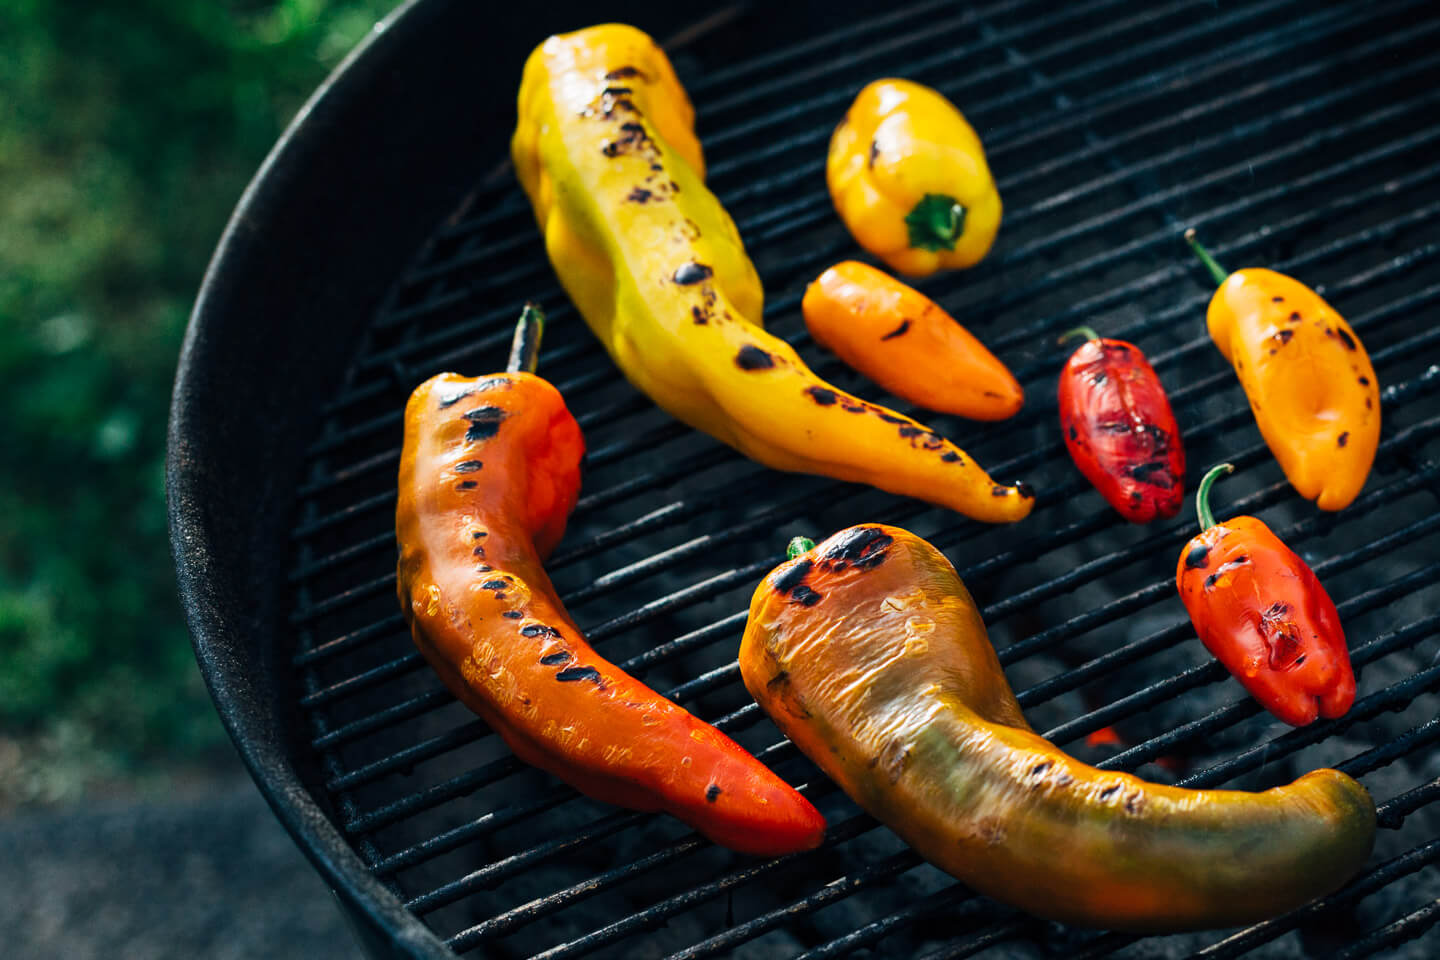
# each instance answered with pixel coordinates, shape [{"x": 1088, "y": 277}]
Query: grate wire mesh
[{"x": 1291, "y": 135}]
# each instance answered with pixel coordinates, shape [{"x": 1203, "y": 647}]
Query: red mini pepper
[
  {"x": 1119, "y": 427},
  {"x": 1263, "y": 614}
]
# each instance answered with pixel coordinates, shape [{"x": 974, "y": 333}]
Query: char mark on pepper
[
  {"x": 639, "y": 195},
  {"x": 1154, "y": 472},
  {"x": 512, "y": 614},
  {"x": 898, "y": 331},
  {"x": 494, "y": 585},
  {"x": 806, "y": 597},
  {"x": 471, "y": 484},
  {"x": 539, "y": 630},
  {"x": 484, "y": 423},
  {"x": 468, "y": 466},
  {"x": 624, "y": 73},
  {"x": 692, "y": 272},
  {"x": 1198, "y": 556},
  {"x": 712, "y": 793},
  {"x": 950, "y": 456},
  {"x": 752, "y": 357},
  {"x": 821, "y": 395},
  {"x": 863, "y": 547},
  {"x": 1343, "y": 439},
  {"x": 555, "y": 659},
  {"x": 794, "y": 576},
  {"x": 571, "y": 674},
  {"x": 450, "y": 399}
]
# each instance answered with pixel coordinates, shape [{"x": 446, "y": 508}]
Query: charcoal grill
[{"x": 384, "y": 240}]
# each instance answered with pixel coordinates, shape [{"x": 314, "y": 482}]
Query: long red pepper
[
  {"x": 1263, "y": 613},
  {"x": 1119, "y": 427}
]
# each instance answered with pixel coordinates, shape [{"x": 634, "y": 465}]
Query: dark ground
[{"x": 206, "y": 871}]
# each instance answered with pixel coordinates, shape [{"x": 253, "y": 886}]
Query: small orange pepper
[
  {"x": 1308, "y": 378},
  {"x": 907, "y": 343}
]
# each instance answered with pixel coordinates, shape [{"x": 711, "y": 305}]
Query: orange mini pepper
[
  {"x": 1263, "y": 613},
  {"x": 1308, "y": 378},
  {"x": 907, "y": 343},
  {"x": 488, "y": 474}
]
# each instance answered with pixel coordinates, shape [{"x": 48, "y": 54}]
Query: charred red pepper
[
  {"x": 1119, "y": 427},
  {"x": 1263, "y": 613}
]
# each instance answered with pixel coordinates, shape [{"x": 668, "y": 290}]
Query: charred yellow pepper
[
  {"x": 908, "y": 176},
  {"x": 1308, "y": 378},
  {"x": 870, "y": 655},
  {"x": 606, "y": 151}
]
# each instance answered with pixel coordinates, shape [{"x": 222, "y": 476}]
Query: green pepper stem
[
  {"x": 936, "y": 222},
  {"x": 1081, "y": 331},
  {"x": 525, "y": 347},
  {"x": 798, "y": 546},
  {"x": 1202, "y": 495},
  {"x": 1216, "y": 271}
]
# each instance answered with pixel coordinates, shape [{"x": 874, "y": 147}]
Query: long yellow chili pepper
[
  {"x": 870, "y": 655},
  {"x": 1308, "y": 378},
  {"x": 606, "y": 152},
  {"x": 908, "y": 176}
]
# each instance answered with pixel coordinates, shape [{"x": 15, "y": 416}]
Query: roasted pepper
[
  {"x": 489, "y": 471},
  {"x": 908, "y": 176},
  {"x": 907, "y": 343},
  {"x": 1263, "y": 613},
  {"x": 605, "y": 150},
  {"x": 870, "y": 655},
  {"x": 1119, "y": 428},
  {"x": 1308, "y": 378}
]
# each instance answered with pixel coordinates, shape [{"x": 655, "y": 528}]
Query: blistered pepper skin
[
  {"x": 1308, "y": 378},
  {"x": 1264, "y": 614},
  {"x": 489, "y": 471},
  {"x": 899, "y": 163},
  {"x": 907, "y": 343},
  {"x": 1120, "y": 430},
  {"x": 605, "y": 150},
  {"x": 870, "y": 655}
]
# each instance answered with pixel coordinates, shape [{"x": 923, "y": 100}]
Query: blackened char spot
[
  {"x": 775, "y": 681},
  {"x": 1277, "y": 299},
  {"x": 1099, "y": 378},
  {"x": 874, "y": 152},
  {"x": 471, "y": 484},
  {"x": 512, "y": 614},
  {"x": 898, "y": 331},
  {"x": 699, "y": 315},
  {"x": 793, "y": 577},
  {"x": 484, "y": 423},
  {"x": 478, "y": 552},
  {"x": 1074, "y": 434},
  {"x": 804, "y": 596},
  {"x": 1040, "y": 768},
  {"x": 1343, "y": 439},
  {"x": 1025, "y": 490},
  {"x": 950, "y": 456},
  {"x": 1295, "y": 316},
  {"x": 752, "y": 357},
  {"x": 555, "y": 659},
  {"x": 616, "y": 91},
  {"x": 999, "y": 491},
  {"x": 538, "y": 630},
  {"x": 478, "y": 534},
  {"x": 712, "y": 793},
  {"x": 821, "y": 395},
  {"x": 1197, "y": 556},
  {"x": 692, "y": 272},
  {"x": 863, "y": 547},
  {"x": 450, "y": 399},
  {"x": 1156, "y": 472},
  {"x": 1364, "y": 381},
  {"x": 1284, "y": 336},
  {"x": 494, "y": 585},
  {"x": 1345, "y": 338},
  {"x": 891, "y": 418},
  {"x": 623, "y": 73},
  {"x": 909, "y": 430},
  {"x": 571, "y": 674},
  {"x": 1109, "y": 791},
  {"x": 640, "y": 195},
  {"x": 468, "y": 466}
]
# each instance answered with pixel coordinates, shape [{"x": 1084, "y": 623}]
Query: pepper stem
[
  {"x": 1216, "y": 271},
  {"x": 798, "y": 546},
  {"x": 1202, "y": 495},
  {"x": 525, "y": 348},
  {"x": 936, "y": 222},
  {"x": 1081, "y": 331}
]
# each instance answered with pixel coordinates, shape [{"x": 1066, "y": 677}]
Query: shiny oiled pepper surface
[
  {"x": 870, "y": 655},
  {"x": 1120, "y": 430},
  {"x": 906, "y": 343},
  {"x": 1308, "y": 378},
  {"x": 605, "y": 151},
  {"x": 908, "y": 176},
  {"x": 488, "y": 473},
  {"x": 1263, "y": 613}
]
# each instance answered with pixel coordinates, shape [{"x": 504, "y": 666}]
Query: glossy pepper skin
[
  {"x": 489, "y": 471},
  {"x": 908, "y": 176},
  {"x": 907, "y": 343},
  {"x": 1309, "y": 381},
  {"x": 1263, "y": 613},
  {"x": 605, "y": 150},
  {"x": 870, "y": 655},
  {"x": 1119, "y": 428}
]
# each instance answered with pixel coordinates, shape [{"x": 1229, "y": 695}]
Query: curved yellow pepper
[
  {"x": 908, "y": 176},
  {"x": 606, "y": 151},
  {"x": 1308, "y": 378}
]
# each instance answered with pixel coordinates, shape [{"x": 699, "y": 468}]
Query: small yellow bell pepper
[
  {"x": 1307, "y": 376},
  {"x": 908, "y": 176},
  {"x": 606, "y": 152}
]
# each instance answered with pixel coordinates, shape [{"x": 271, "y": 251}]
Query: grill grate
[{"x": 1293, "y": 135}]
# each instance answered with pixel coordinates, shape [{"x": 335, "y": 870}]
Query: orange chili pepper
[
  {"x": 1263, "y": 613},
  {"x": 1308, "y": 378},
  {"x": 489, "y": 472},
  {"x": 905, "y": 342}
]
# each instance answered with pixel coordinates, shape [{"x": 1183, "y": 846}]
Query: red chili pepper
[
  {"x": 1263, "y": 614},
  {"x": 1119, "y": 428}
]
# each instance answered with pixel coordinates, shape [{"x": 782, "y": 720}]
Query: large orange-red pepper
[
  {"x": 907, "y": 343},
  {"x": 489, "y": 472},
  {"x": 1263, "y": 613},
  {"x": 1119, "y": 428},
  {"x": 1307, "y": 376}
]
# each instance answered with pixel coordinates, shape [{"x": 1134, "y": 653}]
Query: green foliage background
[{"x": 127, "y": 132}]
